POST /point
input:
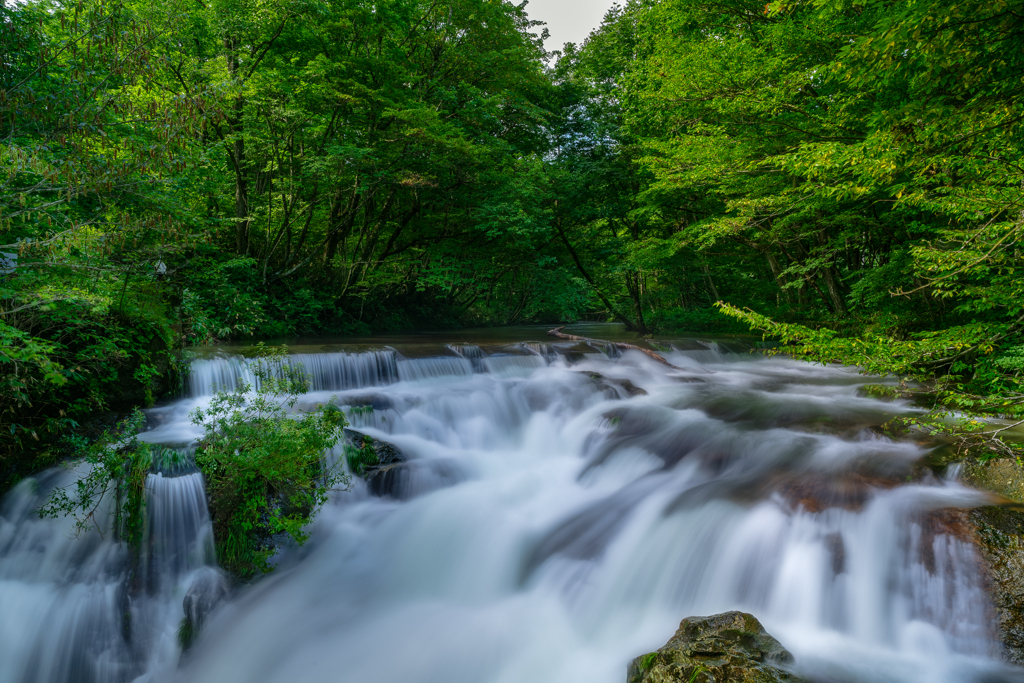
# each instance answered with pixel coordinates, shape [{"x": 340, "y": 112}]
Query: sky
[{"x": 569, "y": 21}]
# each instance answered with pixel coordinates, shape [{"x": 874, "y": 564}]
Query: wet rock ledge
[
  {"x": 997, "y": 531},
  {"x": 731, "y": 647},
  {"x": 390, "y": 473},
  {"x": 999, "y": 536},
  {"x": 383, "y": 473}
]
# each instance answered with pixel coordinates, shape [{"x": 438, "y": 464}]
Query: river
[{"x": 555, "y": 522}]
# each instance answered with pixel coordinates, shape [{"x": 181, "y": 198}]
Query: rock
[
  {"x": 208, "y": 589},
  {"x": 628, "y": 387},
  {"x": 624, "y": 385},
  {"x": 386, "y": 453},
  {"x": 389, "y": 473},
  {"x": 405, "y": 480},
  {"x": 1004, "y": 476},
  {"x": 999, "y": 536},
  {"x": 370, "y": 400},
  {"x": 997, "y": 531},
  {"x": 725, "y": 648}
]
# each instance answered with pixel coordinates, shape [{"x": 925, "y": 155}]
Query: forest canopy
[{"x": 843, "y": 176}]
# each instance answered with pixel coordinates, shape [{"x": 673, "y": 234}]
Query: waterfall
[
  {"x": 328, "y": 371},
  {"x": 474, "y": 354},
  {"x": 544, "y": 528},
  {"x": 426, "y": 369},
  {"x": 74, "y": 605},
  {"x": 179, "y": 538},
  {"x": 506, "y": 365}
]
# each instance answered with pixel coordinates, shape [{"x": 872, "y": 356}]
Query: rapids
[{"x": 578, "y": 525}]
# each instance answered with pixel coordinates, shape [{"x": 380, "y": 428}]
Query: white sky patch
[{"x": 569, "y": 21}]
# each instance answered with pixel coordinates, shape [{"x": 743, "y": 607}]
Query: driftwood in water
[{"x": 557, "y": 332}]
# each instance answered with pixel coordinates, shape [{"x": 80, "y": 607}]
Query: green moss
[
  {"x": 359, "y": 459},
  {"x": 645, "y": 662},
  {"x": 186, "y": 634}
]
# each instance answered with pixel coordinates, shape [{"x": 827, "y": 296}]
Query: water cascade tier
[{"x": 563, "y": 508}]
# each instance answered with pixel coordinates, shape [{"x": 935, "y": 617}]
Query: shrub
[
  {"x": 115, "y": 470},
  {"x": 265, "y": 471}
]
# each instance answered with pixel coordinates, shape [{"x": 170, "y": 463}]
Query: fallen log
[{"x": 557, "y": 332}]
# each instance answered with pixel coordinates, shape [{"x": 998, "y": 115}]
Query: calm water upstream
[{"x": 555, "y": 524}]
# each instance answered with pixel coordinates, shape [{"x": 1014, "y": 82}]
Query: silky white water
[{"x": 549, "y": 527}]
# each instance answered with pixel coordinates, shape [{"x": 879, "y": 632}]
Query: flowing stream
[{"x": 554, "y": 521}]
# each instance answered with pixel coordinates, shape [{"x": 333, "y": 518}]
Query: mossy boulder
[
  {"x": 375, "y": 453},
  {"x": 731, "y": 647},
  {"x": 998, "y": 533}
]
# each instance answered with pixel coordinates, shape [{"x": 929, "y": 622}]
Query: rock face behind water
[
  {"x": 731, "y": 647},
  {"x": 999, "y": 534}
]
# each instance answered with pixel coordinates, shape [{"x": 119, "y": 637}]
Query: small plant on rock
[{"x": 360, "y": 455}]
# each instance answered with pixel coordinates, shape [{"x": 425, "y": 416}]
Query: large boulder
[
  {"x": 1004, "y": 476},
  {"x": 725, "y": 648}
]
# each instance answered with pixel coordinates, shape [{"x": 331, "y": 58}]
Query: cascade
[
  {"x": 75, "y": 605},
  {"x": 426, "y": 369},
  {"x": 550, "y": 529},
  {"x": 328, "y": 371}
]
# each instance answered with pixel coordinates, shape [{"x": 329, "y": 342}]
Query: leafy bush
[
  {"x": 1011, "y": 360},
  {"x": 62, "y": 364},
  {"x": 224, "y": 298},
  {"x": 265, "y": 471},
  {"x": 115, "y": 469}
]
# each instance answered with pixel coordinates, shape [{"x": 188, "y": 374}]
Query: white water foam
[{"x": 580, "y": 528}]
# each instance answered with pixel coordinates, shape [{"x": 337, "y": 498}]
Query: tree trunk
[
  {"x": 712, "y": 290},
  {"x": 586, "y": 276},
  {"x": 828, "y": 273},
  {"x": 773, "y": 263}
]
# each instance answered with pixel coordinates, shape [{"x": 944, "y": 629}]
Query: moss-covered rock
[
  {"x": 375, "y": 453},
  {"x": 1004, "y": 476},
  {"x": 390, "y": 473},
  {"x": 999, "y": 535},
  {"x": 731, "y": 647}
]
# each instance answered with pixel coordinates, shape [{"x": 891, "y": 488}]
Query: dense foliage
[
  {"x": 266, "y": 475},
  {"x": 845, "y": 176}
]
